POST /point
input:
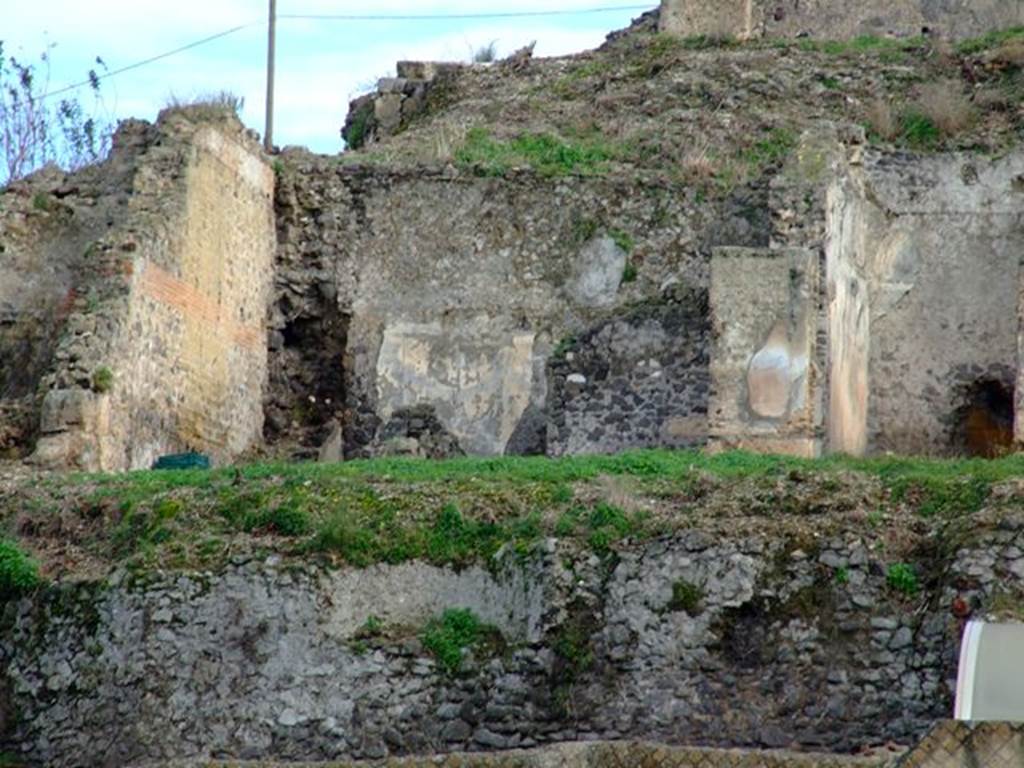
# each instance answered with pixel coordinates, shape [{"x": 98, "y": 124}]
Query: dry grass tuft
[
  {"x": 944, "y": 103},
  {"x": 882, "y": 119},
  {"x": 619, "y": 492},
  {"x": 697, "y": 164},
  {"x": 1010, "y": 54}
]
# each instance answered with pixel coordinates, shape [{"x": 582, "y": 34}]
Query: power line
[
  {"x": 346, "y": 17},
  {"x": 152, "y": 59},
  {"x": 460, "y": 16}
]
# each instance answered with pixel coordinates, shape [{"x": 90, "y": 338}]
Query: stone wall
[
  {"x": 455, "y": 289},
  {"x": 743, "y": 642},
  {"x": 48, "y": 222},
  {"x": 838, "y": 19},
  {"x": 166, "y": 350},
  {"x": 638, "y": 380},
  {"x": 923, "y": 261}
]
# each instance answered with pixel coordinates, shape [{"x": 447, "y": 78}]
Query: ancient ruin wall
[
  {"x": 745, "y": 641},
  {"x": 839, "y": 19},
  {"x": 48, "y": 223},
  {"x": 170, "y": 352},
  {"x": 924, "y": 258},
  {"x": 455, "y": 289}
]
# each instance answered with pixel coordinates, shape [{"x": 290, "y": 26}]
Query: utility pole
[{"x": 268, "y": 134}]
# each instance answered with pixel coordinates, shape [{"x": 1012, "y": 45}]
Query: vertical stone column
[
  {"x": 714, "y": 18},
  {"x": 766, "y": 388}
]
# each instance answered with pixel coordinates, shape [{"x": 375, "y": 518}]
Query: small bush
[
  {"x": 19, "y": 573},
  {"x": 902, "y": 578},
  {"x": 285, "y": 520},
  {"x": 629, "y": 273},
  {"x": 102, "y": 380},
  {"x": 372, "y": 627},
  {"x": 485, "y": 54},
  {"x": 452, "y": 634},
  {"x": 41, "y": 201},
  {"x": 358, "y": 130},
  {"x": 622, "y": 239},
  {"x": 340, "y": 534}
]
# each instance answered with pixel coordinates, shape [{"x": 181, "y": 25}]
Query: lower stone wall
[{"x": 743, "y": 642}]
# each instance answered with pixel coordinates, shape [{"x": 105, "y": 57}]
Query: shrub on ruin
[
  {"x": 456, "y": 631},
  {"x": 102, "y": 380},
  {"x": 902, "y": 578},
  {"x": 214, "y": 105},
  {"x": 19, "y": 573},
  {"x": 486, "y": 54}
]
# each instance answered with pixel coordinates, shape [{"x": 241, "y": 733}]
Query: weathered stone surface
[
  {"x": 913, "y": 362},
  {"x": 838, "y": 19},
  {"x": 639, "y": 379}
]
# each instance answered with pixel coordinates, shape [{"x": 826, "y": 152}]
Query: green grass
[
  {"x": 18, "y": 572},
  {"x": 546, "y": 154},
  {"x": 465, "y": 510},
  {"x": 771, "y": 150},
  {"x": 887, "y": 48},
  {"x": 919, "y": 131},
  {"x": 902, "y": 578},
  {"x": 450, "y": 635},
  {"x": 990, "y": 40},
  {"x": 102, "y": 380}
]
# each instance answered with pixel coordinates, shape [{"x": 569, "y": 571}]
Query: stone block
[
  {"x": 66, "y": 409},
  {"x": 387, "y": 110}
]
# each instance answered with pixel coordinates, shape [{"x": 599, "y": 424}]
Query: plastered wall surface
[
  {"x": 924, "y": 258},
  {"x": 838, "y": 19},
  {"x": 765, "y": 386}
]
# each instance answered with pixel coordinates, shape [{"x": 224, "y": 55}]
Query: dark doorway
[{"x": 985, "y": 420}]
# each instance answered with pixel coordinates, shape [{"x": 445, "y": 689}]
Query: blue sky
[{"x": 321, "y": 64}]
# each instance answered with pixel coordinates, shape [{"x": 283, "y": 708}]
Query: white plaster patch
[
  {"x": 598, "y": 273},
  {"x": 477, "y": 377}
]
